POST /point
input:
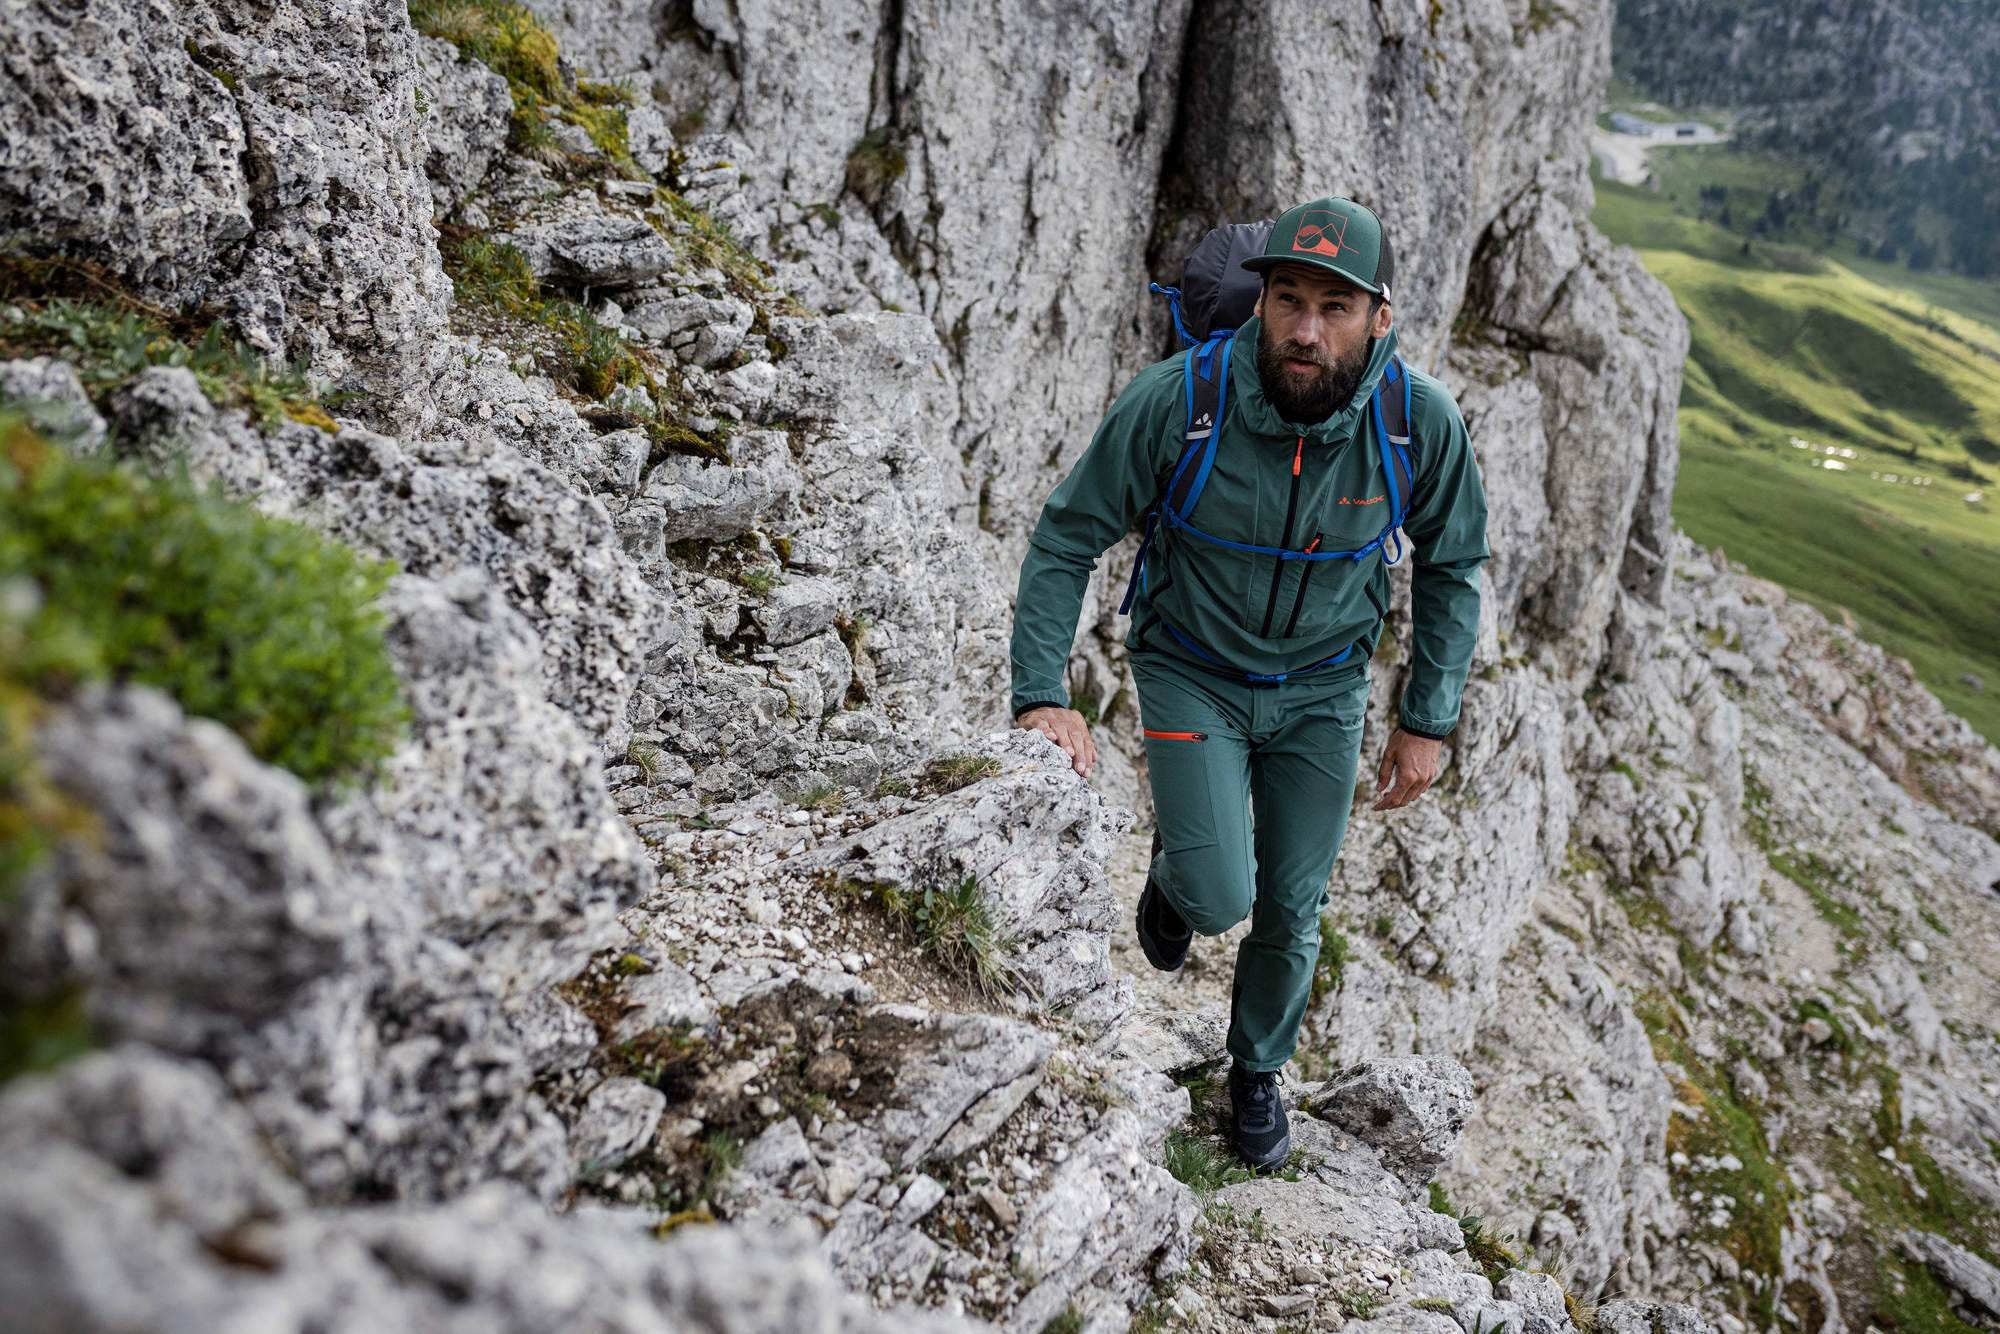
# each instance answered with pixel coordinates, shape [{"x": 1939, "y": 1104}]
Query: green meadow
[{"x": 1835, "y": 416}]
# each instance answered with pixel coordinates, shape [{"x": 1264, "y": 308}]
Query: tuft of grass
[
  {"x": 260, "y": 624},
  {"x": 721, "y": 1154},
  {"x": 600, "y": 109},
  {"x": 707, "y": 243},
  {"x": 955, "y": 926},
  {"x": 510, "y": 40},
  {"x": 876, "y": 163},
  {"x": 1358, "y": 1303},
  {"x": 820, "y": 797},
  {"x": 491, "y": 273},
  {"x": 1201, "y": 1164},
  {"x": 1067, "y": 1321},
  {"x": 494, "y": 275},
  {"x": 760, "y": 579},
  {"x": 949, "y": 773}
]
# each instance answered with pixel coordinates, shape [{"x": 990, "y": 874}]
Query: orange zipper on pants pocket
[{"x": 1176, "y": 736}]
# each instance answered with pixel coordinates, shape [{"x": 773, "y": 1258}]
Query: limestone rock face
[
  {"x": 252, "y": 158},
  {"x": 211, "y": 899},
  {"x": 465, "y": 112},
  {"x": 129, "y": 1175},
  {"x": 706, "y": 896},
  {"x": 1412, "y": 1111},
  {"x": 132, "y": 93}
]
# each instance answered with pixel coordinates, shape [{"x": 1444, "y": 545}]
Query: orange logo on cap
[{"x": 1320, "y": 232}]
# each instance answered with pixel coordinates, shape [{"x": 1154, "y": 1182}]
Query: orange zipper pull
[
  {"x": 1295, "y": 455},
  {"x": 1313, "y": 545}
]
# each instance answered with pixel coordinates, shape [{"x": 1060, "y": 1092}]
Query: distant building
[{"x": 1626, "y": 123}]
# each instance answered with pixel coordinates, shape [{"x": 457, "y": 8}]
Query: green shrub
[
  {"x": 259, "y": 624},
  {"x": 499, "y": 34},
  {"x": 41, "y": 1032},
  {"x": 510, "y": 40}
]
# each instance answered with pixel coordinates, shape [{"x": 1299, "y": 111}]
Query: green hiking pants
[{"x": 1251, "y": 789}]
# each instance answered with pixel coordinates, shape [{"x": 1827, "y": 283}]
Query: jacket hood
[{"x": 1246, "y": 390}]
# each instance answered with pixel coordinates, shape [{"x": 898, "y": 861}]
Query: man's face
[{"x": 1313, "y": 346}]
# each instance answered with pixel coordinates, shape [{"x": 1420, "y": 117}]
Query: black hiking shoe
[
  {"x": 1258, "y": 1130},
  {"x": 1163, "y": 933}
]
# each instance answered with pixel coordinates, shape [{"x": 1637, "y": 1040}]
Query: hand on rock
[{"x": 1067, "y": 729}]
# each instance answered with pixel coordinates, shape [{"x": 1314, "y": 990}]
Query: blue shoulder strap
[
  {"x": 1207, "y": 395},
  {"x": 1391, "y": 411},
  {"x": 1207, "y": 398}
]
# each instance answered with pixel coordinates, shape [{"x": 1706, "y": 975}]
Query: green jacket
[{"x": 1253, "y": 611}]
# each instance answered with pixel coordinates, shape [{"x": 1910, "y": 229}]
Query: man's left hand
[{"x": 1409, "y": 765}]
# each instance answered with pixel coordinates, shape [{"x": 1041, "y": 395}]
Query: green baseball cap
[{"x": 1334, "y": 234}]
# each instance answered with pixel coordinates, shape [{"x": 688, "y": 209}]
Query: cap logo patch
[{"x": 1320, "y": 232}]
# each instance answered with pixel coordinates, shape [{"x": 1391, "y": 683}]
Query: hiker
[{"x": 1281, "y": 471}]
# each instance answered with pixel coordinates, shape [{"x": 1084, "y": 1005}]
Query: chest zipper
[
  {"x": 1291, "y": 512},
  {"x": 1300, "y": 600}
]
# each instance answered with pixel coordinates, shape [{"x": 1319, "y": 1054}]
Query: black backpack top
[{"x": 1216, "y": 291}]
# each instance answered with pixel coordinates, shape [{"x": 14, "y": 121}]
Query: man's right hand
[{"x": 1067, "y": 729}]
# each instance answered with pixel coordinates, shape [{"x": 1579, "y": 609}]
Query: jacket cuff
[
  {"x": 1423, "y": 727},
  {"x": 1022, "y": 703}
]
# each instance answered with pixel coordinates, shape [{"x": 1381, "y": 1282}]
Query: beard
[{"x": 1309, "y": 396}]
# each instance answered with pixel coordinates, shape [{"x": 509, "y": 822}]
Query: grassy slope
[{"x": 1908, "y": 375}]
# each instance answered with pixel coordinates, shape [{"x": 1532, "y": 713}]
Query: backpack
[{"x": 1215, "y": 296}]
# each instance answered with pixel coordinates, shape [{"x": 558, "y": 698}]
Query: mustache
[{"x": 1300, "y": 352}]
